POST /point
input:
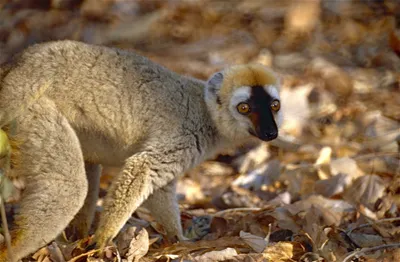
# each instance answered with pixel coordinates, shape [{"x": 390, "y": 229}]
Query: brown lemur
[{"x": 75, "y": 106}]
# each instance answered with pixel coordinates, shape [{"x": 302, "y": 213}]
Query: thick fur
[{"x": 75, "y": 102}]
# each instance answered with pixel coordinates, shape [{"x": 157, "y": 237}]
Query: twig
[
  {"x": 7, "y": 237},
  {"x": 380, "y": 221},
  {"x": 268, "y": 235},
  {"x": 239, "y": 209},
  {"x": 369, "y": 155},
  {"x": 323, "y": 244},
  {"x": 91, "y": 252},
  {"x": 312, "y": 241},
  {"x": 370, "y": 249}
]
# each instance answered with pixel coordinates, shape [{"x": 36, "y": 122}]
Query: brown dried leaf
[
  {"x": 251, "y": 257},
  {"x": 253, "y": 158},
  {"x": 332, "y": 186},
  {"x": 300, "y": 179},
  {"x": 188, "y": 247},
  {"x": 366, "y": 240},
  {"x": 365, "y": 190},
  {"x": 285, "y": 219},
  {"x": 219, "y": 226},
  {"x": 133, "y": 244},
  {"x": 394, "y": 41},
  {"x": 347, "y": 166},
  {"x": 323, "y": 162},
  {"x": 221, "y": 255},
  {"x": 324, "y": 156},
  {"x": 314, "y": 224},
  {"x": 190, "y": 191},
  {"x": 336, "y": 206},
  {"x": 96, "y": 8},
  {"x": 290, "y": 61},
  {"x": 336, "y": 80},
  {"x": 257, "y": 243},
  {"x": 49, "y": 253},
  {"x": 138, "y": 246},
  {"x": 280, "y": 252},
  {"x": 41, "y": 255},
  {"x": 303, "y": 16},
  {"x": 265, "y": 174}
]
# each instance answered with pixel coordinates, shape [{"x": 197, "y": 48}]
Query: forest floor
[{"x": 327, "y": 190}]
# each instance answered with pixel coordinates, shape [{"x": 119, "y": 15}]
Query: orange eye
[
  {"x": 243, "y": 108},
  {"x": 275, "y": 105}
]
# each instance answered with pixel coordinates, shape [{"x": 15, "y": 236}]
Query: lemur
[{"x": 77, "y": 106}]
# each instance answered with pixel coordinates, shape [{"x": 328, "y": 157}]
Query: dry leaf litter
[{"x": 327, "y": 190}]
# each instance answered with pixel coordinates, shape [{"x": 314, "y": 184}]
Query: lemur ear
[{"x": 213, "y": 85}]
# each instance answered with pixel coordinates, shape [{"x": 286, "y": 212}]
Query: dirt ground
[{"x": 327, "y": 190}]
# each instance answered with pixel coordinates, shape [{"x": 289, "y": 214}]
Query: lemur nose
[{"x": 271, "y": 135}]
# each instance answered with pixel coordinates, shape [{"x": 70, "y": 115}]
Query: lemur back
[{"x": 105, "y": 90}]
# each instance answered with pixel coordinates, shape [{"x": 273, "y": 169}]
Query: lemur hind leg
[
  {"x": 143, "y": 174},
  {"x": 52, "y": 166},
  {"x": 82, "y": 222},
  {"x": 164, "y": 207}
]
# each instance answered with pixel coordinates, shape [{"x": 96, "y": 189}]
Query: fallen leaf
[
  {"x": 41, "y": 254},
  {"x": 366, "y": 240},
  {"x": 221, "y": 255},
  {"x": 189, "y": 191},
  {"x": 302, "y": 17},
  {"x": 253, "y": 158},
  {"x": 365, "y": 190},
  {"x": 332, "y": 186},
  {"x": 346, "y": 165},
  {"x": 279, "y": 252},
  {"x": 188, "y": 247},
  {"x": 138, "y": 247},
  {"x": 323, "y": 162},
  {"x": 314, "y": 223},
  {"x": 285, "y": 219},
  {"x": 394, "y": 41},
  {"x": 133, "y": 244},
  {"x": 257, "y": 243},
  {"x": 265, "y": 174}
]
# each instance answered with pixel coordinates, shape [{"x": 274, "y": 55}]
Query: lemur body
[{"x": 76, "y": 106}]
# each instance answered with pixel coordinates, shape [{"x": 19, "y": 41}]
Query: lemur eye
[
  {"x": 275, "y": 105},
  {"x": 243, "y": 108}
]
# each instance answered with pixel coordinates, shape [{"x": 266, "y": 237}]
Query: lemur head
[{"x": 244, "y": 101}]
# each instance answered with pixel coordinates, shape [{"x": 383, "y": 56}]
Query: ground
[{"x": 327, "y": 190}]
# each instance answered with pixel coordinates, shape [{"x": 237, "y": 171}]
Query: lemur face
[
  {"x": 258, "y": 108},
  {"x": 248, "y": 101}
]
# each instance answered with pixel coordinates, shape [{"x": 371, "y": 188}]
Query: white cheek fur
[
  {"x": 272, "y": 90},
  {"x": 278, "y": 118},
  {"x": 241, "y": 94}
]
